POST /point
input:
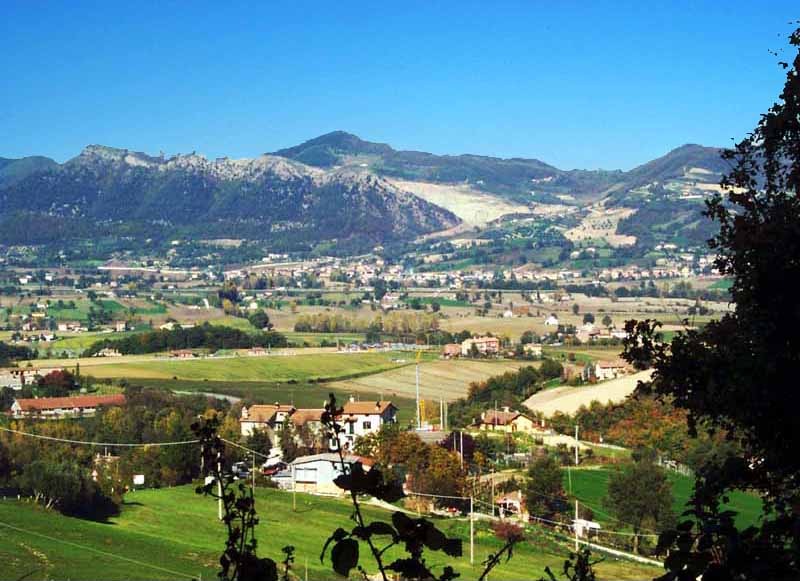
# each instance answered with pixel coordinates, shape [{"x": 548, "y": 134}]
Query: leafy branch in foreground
[
  {"x": 737, "y": 376},
  {"x": 239, "y": 561},
  {"x": 413, "y": 534}
]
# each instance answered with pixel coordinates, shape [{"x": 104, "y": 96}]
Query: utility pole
[
  {"x": 575, "y": 525},
  {"x": 219, "y": 484},
  {"x": 461, "y": 446},
  {"x": 492, "y": 491},
  {"x": 294, "y": 489},
  {"x": 471, "y": 534},
  {"x": 576, "y": 445},
  {"x": 254, "y": 474},
  {"x": 419, "y": 418}
]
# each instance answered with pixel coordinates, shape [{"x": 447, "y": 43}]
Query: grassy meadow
[
  {"x": 174, "y": 534},
  {"x": 590, "y": 486}
]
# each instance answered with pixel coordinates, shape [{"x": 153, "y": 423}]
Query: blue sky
[{"x": 576, "y": 84}]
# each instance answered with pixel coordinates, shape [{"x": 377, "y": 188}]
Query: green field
[
  {"x": 174, "y": 534},
  {"x": 315, "y": 339},
  {"x": 275, "y": 368},
  {"x": 589, "y": 485}
]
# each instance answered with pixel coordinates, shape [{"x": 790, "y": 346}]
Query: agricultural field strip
[
  {"x": 570, "y": 399},
  {"x": 448, "y": 379}
]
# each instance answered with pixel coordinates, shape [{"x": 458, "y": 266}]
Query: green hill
[{"x": 174, "y": 534}]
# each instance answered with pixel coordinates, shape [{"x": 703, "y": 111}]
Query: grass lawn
[
  {"x": 590, "y": 486},
  {"x": 174, "y": 534},
  {"x": 314, "y": 339}
]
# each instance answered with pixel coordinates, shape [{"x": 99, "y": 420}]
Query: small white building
[
  {"x": 316, "y": 473},
  {"x": 551, "y": 321}
]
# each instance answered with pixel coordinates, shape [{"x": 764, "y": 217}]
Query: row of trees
[
  {"x": 80, "y": 480},
  {"x": 206, "y": 336}
]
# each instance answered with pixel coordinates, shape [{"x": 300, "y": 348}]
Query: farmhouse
[
  {"x": 603, "y": 370},
  {"x": 551, "y": 321},
  {"x": 18, "y": 377},
  {"x": 451, "y": 350},
  {"x": 506, "y": 420},
  {"x": 316, "y": 473},
  {"x": 532, "y": 349},
  {"x": 512, "y": 504},
  {"x": 365, "y": 417},
  {"x": 261, "y": 417},
  {"x": 61, "y": 407},
  {"x": 484, "y": 345},
  {"x": 108, "y": 352},
  {"x": 182, "y": 354}
]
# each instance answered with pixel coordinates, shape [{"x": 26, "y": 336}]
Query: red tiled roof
[
  {"x": 302, "y": 416},
  {"x": 366, "y": 407},
  {"x": 81, "y": 401},
  {"x": 499, "y": 417},
  {"x": 265, "y": 413}
]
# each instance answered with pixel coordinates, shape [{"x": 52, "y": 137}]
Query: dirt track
[{"x": 570, "y": 399}]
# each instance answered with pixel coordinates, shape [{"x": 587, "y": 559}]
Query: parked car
[{"x": 273, "y": 469}]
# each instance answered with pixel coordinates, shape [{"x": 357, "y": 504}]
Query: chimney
[
  {"x": 352, "y": 399},
  {"x": 506, "y": 409}
]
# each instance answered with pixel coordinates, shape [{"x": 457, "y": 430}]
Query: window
[
  {"x": 367, "y": 425},
  {"x": 352, "y": 427},
  {"x": 305, "y": 474}
]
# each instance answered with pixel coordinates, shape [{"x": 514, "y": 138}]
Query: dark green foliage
[
  {"x": 67, "y": 487},
  {"x": 579, "y": 567},
  {"x": 205, "y": 336},
  {"x": 260, "y": 320},
  {"x": 544, "y": 489},
  {"x": 641, "y": 496},
  {"x": 57, "y": 383},
  {"x": 738, "y": 375},
  {"x": 9, "y": 353}
]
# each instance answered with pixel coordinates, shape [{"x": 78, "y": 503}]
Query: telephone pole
[
  {"x": 219, "y": 484},
  {"x": 471, "y": 533},
  {"x": 576, "y": 445},
  {"x": 419, "y": 417},
  {"x": 575, "y": 525}
]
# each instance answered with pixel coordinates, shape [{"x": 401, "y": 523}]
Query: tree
[
  {"x": 260, "y": 441},
  {"x": 287, "y": 442},
  {"x": 588, "y": 318},
  {"x": 260, "y": 320},
  {"x": 640, "y": 495},
  {"x": 57, "y": 383},
  {"x": 738, "y": 375},
  {"x": 575, "y": 308},
  {"x": 544, "y": 488},
  {"x": 607, "y": 320}
]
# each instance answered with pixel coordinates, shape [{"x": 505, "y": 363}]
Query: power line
[
  {"x": 245, "y": 448},
  {"x": 108, "y": 444}
]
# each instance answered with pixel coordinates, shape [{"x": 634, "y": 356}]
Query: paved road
[{"x": 569, "y": 399}]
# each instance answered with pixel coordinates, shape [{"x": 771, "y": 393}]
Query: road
[{"x": 569, "y": 399}]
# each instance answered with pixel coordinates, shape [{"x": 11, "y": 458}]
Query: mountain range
[{"x": 336, "y": 187}]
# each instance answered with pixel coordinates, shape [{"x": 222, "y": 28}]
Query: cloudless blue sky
[{"x": 576, "y": 84}]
